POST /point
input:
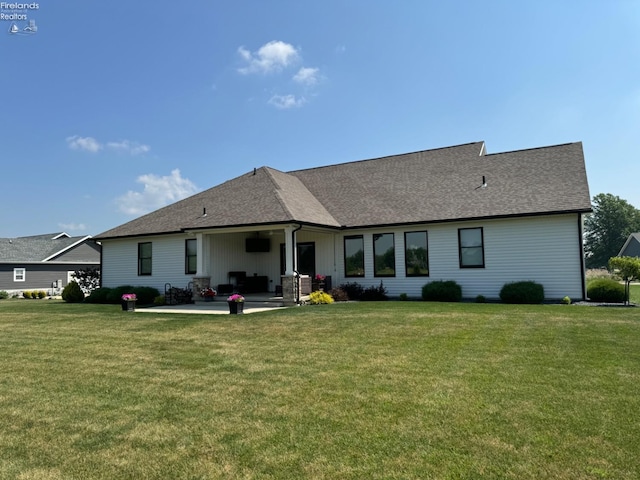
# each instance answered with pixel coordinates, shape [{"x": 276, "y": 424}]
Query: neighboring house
[
  {"x": 453, "y": 213},
  {"x": 44, "y": 262},
  {"x": 631, "y": 247}
]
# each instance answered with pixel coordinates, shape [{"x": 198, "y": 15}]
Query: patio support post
[
  {"x": 202, "y": 278},
  {"x": 289, "y": 290}
]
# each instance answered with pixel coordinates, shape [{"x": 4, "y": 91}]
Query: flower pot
[
  {"x": 236, "y": 307},
  {"x": 129, "y": 305}
]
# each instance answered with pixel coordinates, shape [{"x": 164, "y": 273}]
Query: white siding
[
  {"x": 120, "y": 262},
  {"x": 542, "y": 249}
]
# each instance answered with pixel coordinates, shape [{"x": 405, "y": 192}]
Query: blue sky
[{"x": 113, "y": 109}]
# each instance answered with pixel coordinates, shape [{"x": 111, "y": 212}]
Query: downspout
[
  {"x": 582, "y": 261},
  {"x": 295, "y": 262}
]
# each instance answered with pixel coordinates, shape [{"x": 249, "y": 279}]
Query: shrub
[
  {"x": 41, "y": 294},
  {"x": 318, "y": 297},
  {"x": 526, "y": 292},
  {"x": 72, "y": 293},
  {"x": 566, "y": 300},
  {"x": 339, "y": 295},
  {"x": 481, "y": 299},
  {"x": 374, "y": 294},
  {"x": 26, "y": 294},
  {"x": 605, "y": 290},
  {"x": 159, "y": 300},
  {"x": 4, "y": 294},
  {"x": 99, "y": 295},
  {"x": 404, "y": 297},
  {"x": 146, "y": 295},
  {"x": 442, "y": 291},
  {"x": 353, "y": 290}
]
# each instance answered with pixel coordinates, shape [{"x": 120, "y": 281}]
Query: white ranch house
[{"x": 453, "y": 213}]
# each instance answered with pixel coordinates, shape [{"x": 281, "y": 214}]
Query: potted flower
[
  {"x": 236, "y": 303},
  {"x": 129, "y": 302},
  {"x": 319, "y": 280},
  {"x": 209, "y": 294}
]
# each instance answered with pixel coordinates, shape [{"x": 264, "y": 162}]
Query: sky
[{"x": 110, "y": 110}]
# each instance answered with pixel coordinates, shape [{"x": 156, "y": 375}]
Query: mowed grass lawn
[{"x": 393, "y": 390}]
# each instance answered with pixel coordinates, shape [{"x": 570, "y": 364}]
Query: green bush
[
  {"x": 4, "y": 294},
  {"x": 41, "y": 294},
  {"x": 374, "y": 294},
  {"x": 72, "y": 293},
  {"x": 481, "y": 299},
  {"x": 605, "y": 290},
  {"x": 159, "y": 300},
  {"x": 145, "y": 295},
  {"x": 526, "y": 292},
  {"x": 404, "y": 297},
  {"x": 353, "y": 290},
  {"x": 318, "y": 297},
  {"x": 99, "y": 295},
  {"x": 566, "y": 300},
  {"x": 442, "y": 291},
  {"x": 26, "y": 294}
]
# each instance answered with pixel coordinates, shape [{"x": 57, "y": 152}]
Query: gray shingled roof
[
  {"x": 427, "y": 186},
  {"x": 35, "y": 248}
]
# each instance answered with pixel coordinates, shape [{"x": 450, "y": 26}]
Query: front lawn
[{"x": 391, "y": 390}]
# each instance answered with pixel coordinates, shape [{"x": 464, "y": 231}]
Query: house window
[
  {"x": 144, "y": 258},
  {"x": 471, "y": 244},
  {"x": 416, "y": 254},
  {"x": 384, "y": 256},
  {"x": 19, "y": 274},
  {"x": 191, "y": 256},
  {"x": 354, "y": 256}
]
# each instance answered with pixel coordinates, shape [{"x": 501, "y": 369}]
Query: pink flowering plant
[
  {"x": 129, "y": 297},
  {"x": 208, "y": 292},
  {"x": 236, "y": 297},
  {"x": 320, "y": 277}
]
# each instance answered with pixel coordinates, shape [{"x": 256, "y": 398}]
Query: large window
[
  {"x": 384, "y": 256},
  {"x": 144, "y": 258},
  {"x": 19, "y": 274},
  {"x": 191, "y": 256},
  {"x": 471, "y": 244},
  {"x": 354, "y": 256},
  {"x": 416, "y": 254}
]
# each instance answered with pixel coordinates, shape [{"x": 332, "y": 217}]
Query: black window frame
[
  {"x": 408, "y": 267},
  {"x": 462, "y": 248},
  {"x": 361, "y": 239},
  {"x": 142, "y": 260},
  {"x": 190, "y": 257},
  {"x": 376, "y": 266}
]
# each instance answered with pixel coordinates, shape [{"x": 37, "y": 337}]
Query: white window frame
[{"x": 20, "y": 274}]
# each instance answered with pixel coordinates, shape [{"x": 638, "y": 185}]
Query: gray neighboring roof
[
  {"x": 631, "y": 247},
  {"x": 37, "y": 248},
  {"x": 427, "y": 186}
]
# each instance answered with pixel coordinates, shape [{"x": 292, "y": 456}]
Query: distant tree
[
  {"x": 628, "y": 269},
  {"x": 88, "y": 279},
  {"x": 607, "y": 228}
]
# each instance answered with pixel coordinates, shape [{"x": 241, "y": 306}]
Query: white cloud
[
  {"x": 73, "y": 227},
  {"x": 84, "y": 143},
  {"x": 284, "y": 102},
  {"x": 307, "y": 76},
  {"x": 271, "y": 57},
  {"x": 126, "y": 146},
  {"x": 92, "y": 145},
  {"x": 157, "y": 192}
]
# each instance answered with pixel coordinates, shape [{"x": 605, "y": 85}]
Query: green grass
[{"x": 391, "y": 390}]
